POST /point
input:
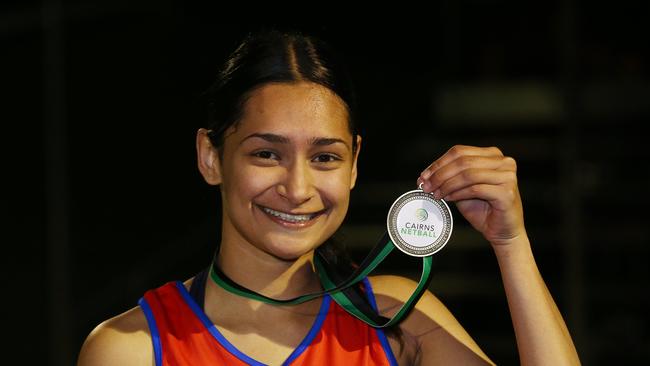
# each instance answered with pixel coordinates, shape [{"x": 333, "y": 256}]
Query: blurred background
[{"x": 102, "y": 199}]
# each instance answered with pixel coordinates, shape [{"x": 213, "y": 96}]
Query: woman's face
[{"x": 287, "y": 170}]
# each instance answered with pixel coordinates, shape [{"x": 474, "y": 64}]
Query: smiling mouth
[{"x": 291, "y": 218}]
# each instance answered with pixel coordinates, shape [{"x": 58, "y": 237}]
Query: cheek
[
  {"x": 242, "y": 181},
  {"x": 250, "y": 182},
  {"x": 336, "y": 189}
]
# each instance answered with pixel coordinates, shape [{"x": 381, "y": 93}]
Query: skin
[{"x": 292, "y": 152}]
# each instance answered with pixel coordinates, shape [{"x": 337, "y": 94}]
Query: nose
[{"x": 297, "y": 186}]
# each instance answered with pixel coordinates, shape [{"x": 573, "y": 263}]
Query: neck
[{"x": 263, "y": 273}]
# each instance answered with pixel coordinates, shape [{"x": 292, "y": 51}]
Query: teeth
[{"x": 288, "y": 217}]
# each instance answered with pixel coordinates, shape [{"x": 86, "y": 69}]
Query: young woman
[{"x": 283, "y": 149}]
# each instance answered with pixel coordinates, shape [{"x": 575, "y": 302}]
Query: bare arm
[
  {"x": 483, "y": 184},
  {"x": 542, "y": 336},
  {"x": 121, "y": 341}
]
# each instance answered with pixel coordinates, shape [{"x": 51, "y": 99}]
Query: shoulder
[
  {"x": 440, "y": 337},
  {"x": 124, "y": 340},
  {"x": 392, "y": 291}
]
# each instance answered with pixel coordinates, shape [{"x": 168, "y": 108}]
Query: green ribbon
[{"x": 341, "y": 290}]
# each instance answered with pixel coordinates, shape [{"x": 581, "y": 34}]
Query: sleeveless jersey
[{"x": 182, "y": 334}]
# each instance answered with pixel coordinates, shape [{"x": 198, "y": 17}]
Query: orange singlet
[{"x": 182, "y": 334}]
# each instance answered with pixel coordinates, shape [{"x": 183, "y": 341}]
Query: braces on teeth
[{"x": 288, "y": 217}]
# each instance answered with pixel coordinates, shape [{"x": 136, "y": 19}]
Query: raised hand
[{"x": 483, "y": 184}]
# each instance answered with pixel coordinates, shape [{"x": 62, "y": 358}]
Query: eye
[
  {"x": 265, "y": 154},
  {"x": 326, "y": 158}
]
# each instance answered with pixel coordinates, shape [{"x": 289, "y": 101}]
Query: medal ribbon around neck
[{"x": 341, "y": 289}]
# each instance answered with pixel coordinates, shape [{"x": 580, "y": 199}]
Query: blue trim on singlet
[
  {"x": 380, "y": 333},
  {"x": 322, "y": 313},
  {"x": 313, "y": 332},
  {"x": 153, "y": 328}
]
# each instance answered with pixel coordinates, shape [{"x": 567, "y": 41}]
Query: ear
[
  {"x": 353, "y": 177},
  {"x": 207, "y": 158}
]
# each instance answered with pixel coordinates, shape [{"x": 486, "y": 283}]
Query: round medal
[{"x": 418, "y": 224}]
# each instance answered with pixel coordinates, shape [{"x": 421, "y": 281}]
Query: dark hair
[{"x": 275, "y": 57}]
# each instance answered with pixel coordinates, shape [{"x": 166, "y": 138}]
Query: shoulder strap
[{"x": 197, "y": 288}]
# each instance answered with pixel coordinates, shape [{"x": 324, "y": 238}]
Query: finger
[
  {"x": 456, "y": 152},
  {"x": 469, "y": 177},
  {"x": 499, "y": 196},
  {"x": 463, "y": 163}
]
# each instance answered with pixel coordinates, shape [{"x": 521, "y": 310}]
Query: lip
[{"x": 291, "y": 224}]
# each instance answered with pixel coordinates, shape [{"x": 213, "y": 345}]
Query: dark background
[{"x": 102, "y": 199}]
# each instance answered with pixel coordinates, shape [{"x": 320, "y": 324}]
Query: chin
[{"x": 290, "y": 251}]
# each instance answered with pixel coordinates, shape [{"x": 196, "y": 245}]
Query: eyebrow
[
  {"x": 270, "y": 137},
  {"x": 279, "y": 139}
]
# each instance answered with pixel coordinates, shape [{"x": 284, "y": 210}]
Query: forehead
[{"x": 302, "y": 107}]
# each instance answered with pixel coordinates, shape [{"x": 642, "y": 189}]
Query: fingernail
[{"x": 437, "y": 194}]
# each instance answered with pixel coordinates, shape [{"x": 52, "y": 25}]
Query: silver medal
[{"x": 418, "y": 224}]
